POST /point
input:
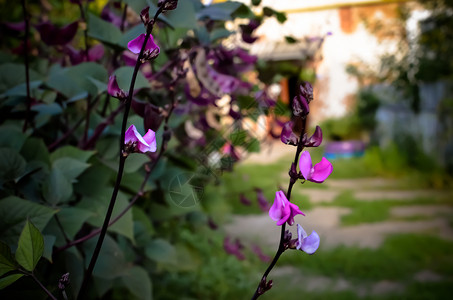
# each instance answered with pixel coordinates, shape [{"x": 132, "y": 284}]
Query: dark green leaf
[
  {"x": 134, "y": 162},
  {"x": 219, "y": 33},
  {"x": 72, "y": 219},
  {"x": 12, "y": 75},
  {"x": 183, "y": 16},
  {"x": 14, "y": 212},
  {"x": 70, "y": 151},
  {"x": 58, "y": 188},
  {"x": 103, "y": 31},
  {"x": 5, "y": 281},
  {"x": 124, "y": 75},
  {"x": 111, "y": 263},
  {"x": 7, "y": 262},
  {"x": 12, "y": 137},
  {"x": 70, "y": 168},
  {"x": 219, "y": 11},
  {"x": 281, "y": 17},
  {"x": 290, "y": 39},
  {"x": 138, "y": 282},
  {"x": 30, "y": 248},
  {"x": 161, "y": 251},
  {"x": 49, "y": 241},
  {"x": 12, "y": 165},
  {"x": 34, "y": 149}
]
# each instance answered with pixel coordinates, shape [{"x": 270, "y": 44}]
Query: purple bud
[
  {"x": 262, "y": 201},
  {"x": 64, "y": 281},
  {"x": 144, "y": 15},
  {"x": 114, "y": 90},
  {"x": 263, "y": 257},
  {"x": 52, "y": 35},
  {"x": 244, "y": 200},
  {"x": 152, "y": 117},
  {"x": 315, "y": 140},
  {"x": 168, "y": 4},
  {"x": 233, "y": 248},
  {"x": 288, "y": 137},
  {"x": 300, "y": 106},
  {"x": 306, "y": 90}
]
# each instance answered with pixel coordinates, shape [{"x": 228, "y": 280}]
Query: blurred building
[{"x": 346, "y": 33}]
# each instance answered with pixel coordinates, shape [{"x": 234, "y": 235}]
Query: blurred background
[{"x": 383, "y": 95}]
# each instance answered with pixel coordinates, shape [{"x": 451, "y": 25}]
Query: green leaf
[
  {"x": 12, "y": 165},
  {"x": 89, "y": 182},
  {"x": 49, "y": 241},
  {"x": 238, "y": 137},
  {"x": 57, "y": 188},
  {"x": 103, "y": 31},
  {"x": 12, "y": 75},
  {"x": 138, "y": 282},
  {"x": 183, "y": 16},
  {"x": 34, "y": 149},
  {"x": 124, "y": 75},
  {"x": 7, "y": 262},
  {"x": 143, "y": 228},
  {"x": 219, "y": 11},
  {"x": 14, "y": 212},
  {"x": 111, "y": 263},
  {"x": 72, "y": 219},
  {"x": 70, "y": 168},
  {"x": 134, "y": 162},
  {"x": 5, "y": 281},
  {"x": 98, "y": 206},
  {"x": 12, "y": 137},
  {"x": 30, "y": 248},
  {"x": 161, "y": 251},
  {"x": 73, "y": 152}
]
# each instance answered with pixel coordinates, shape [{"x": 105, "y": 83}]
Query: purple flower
[
  {"x": 52, "y": 35},
  {"x": 244, "y": 200},
  {"x": 136, "y": 143},
  {"x": 151, "y": 49},
  {"x": 114, "y": 90},
  {"x": 233, "y": 248},
  {"x": 319, "y": 172},
  {"x": 262, "y": 201},
  {"x": 282, "y": 210},
  {"x": 308, "y": 244},
  {"x": 315, "y": 140},
  {"x": 288, "y": 136},
  {"x": 263, "y": 257}
]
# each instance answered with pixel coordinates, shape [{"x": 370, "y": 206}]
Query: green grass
[
  {"x": 399, "y": 258},
  {"x": 378, "y": 210}
]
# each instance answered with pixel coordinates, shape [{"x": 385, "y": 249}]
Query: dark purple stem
[
  {"x": 27, "y": 72},
  {"x": 85, "y": 30},
  {"x": 281, "y": 246},
  {"x": 43, "y": 287},
  {"x": 123, "y": 19},
  {"x": 122, "y": 157}
]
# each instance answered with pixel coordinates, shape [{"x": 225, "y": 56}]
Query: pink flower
[
  {"x": 319, "y": 172},
  {"x": 282, "y": 210},
  {"x": 114, "y": 90},
  {"x": 308, "y": 244},
  {"x": 136, "y": 143},
  {"x": 136, "y": 45}
]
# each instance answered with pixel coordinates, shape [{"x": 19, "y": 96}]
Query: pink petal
[
  {"x": 135, "y": 45},
  {"x": 275, "y": 212},
  {"x": 112, "y": 88},
  {"x": 294, "y": 212},
  {"x": 321, "y": 171},
  {"x": 150, "y": 138},
  {"x": 305, "y": 165},
  {"x": 311, "y": 243},
  {"x": 132, "y": 135}
]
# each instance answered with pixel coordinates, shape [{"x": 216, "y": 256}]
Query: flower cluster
[{"x": 283, "y": 211}]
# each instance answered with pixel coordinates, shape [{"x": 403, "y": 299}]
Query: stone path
[{"x": 326, "y": 220}]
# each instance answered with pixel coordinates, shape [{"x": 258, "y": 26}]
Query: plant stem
[
  {"x": 281, "y": 247},
  {"x": 27, "y": 72},
  {"x": 43, "y": 287},
  {"x": 123, "y": 19},
  {"x": 85, "y": 30},
  {"x": 122, "y": 158}
]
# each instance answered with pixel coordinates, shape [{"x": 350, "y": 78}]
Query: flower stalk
[{"x": 122, "y": 159}]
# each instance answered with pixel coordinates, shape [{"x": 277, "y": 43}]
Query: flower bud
[
  {"x": 287, "y": 136},
  {"x": 306, "y": 90},
  {"x": 168, "y": 4},
  {"x": 315, "y": 140},
  {"x": 300, "y": 106},
  {"x": 144, "y": 15},
  {"x": 114, "y": 90}
]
